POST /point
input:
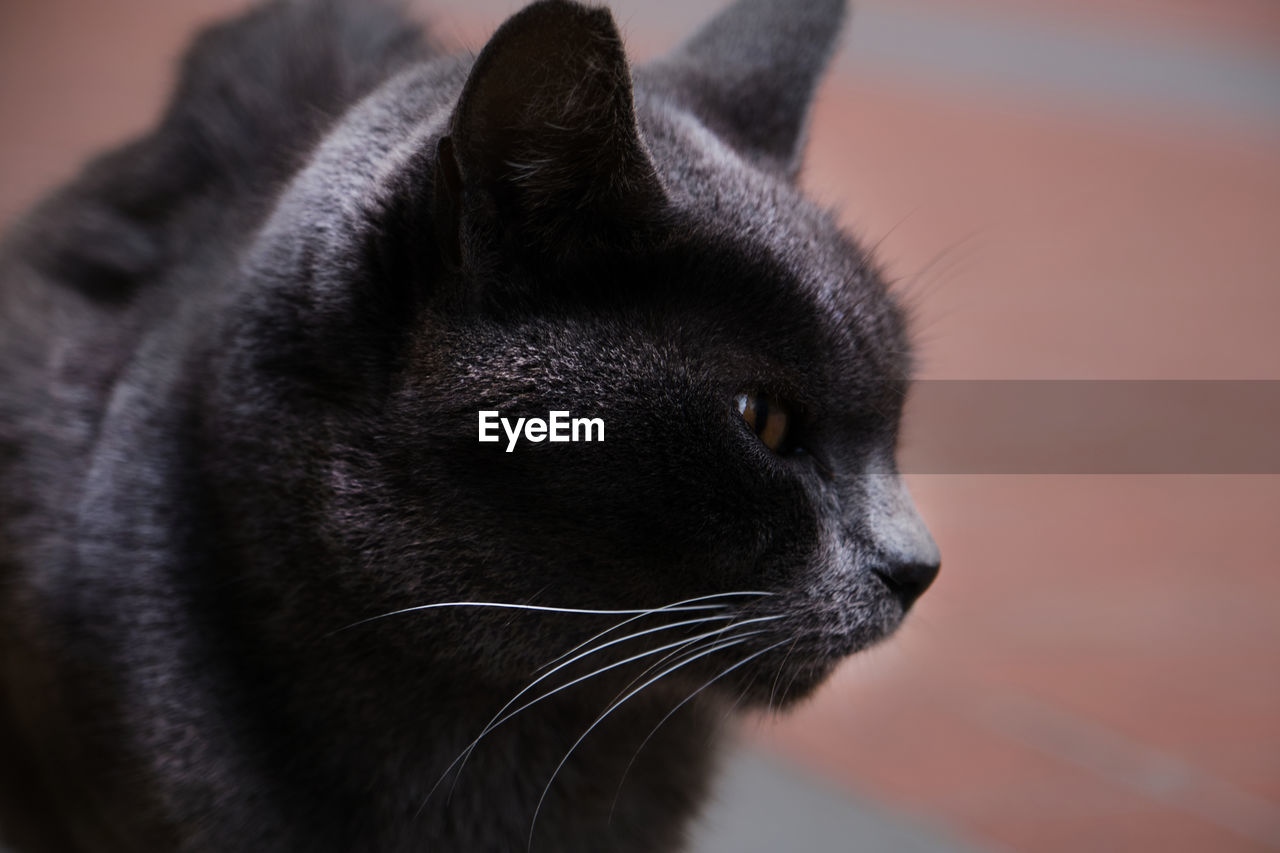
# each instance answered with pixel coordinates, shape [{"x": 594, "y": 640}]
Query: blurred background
[{"x": 1061, "y": 190}]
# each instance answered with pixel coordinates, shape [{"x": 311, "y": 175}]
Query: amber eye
[{"x": 766, "y": 417}]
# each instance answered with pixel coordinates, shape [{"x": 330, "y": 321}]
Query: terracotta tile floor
[{"x": 1097, "y": 666}]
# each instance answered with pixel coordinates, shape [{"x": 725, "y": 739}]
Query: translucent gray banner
[{"x": 1092, "y": 427}]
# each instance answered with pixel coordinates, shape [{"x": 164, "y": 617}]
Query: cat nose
[{"x": 908, "y": 580}]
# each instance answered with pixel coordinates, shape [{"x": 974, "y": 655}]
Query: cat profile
[{"x": 262, "y": 587}]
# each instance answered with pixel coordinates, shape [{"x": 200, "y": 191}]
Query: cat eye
[{"x": 766, "y": 417}]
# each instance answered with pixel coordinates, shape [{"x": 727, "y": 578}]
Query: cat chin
[
  {"x": 776, "y": 688},
  {"x": 790, "y": 689},
  {"x": 794, "y": 671}
]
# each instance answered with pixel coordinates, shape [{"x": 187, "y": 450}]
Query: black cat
[{"x": 262, "y": 587}]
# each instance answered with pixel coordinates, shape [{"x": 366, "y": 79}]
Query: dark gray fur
[{"x": 240, "y": 365}]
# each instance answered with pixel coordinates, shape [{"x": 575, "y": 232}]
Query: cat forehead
[{"x": 757, "y": 213}]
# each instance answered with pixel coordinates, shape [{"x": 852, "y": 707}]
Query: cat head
[{"x": 547, "y": 230}]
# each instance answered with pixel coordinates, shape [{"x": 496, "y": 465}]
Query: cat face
[{"x": 538, "y": 233}]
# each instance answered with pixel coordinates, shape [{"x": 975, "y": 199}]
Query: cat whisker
[
  {"x": 674, "y": 653},
  {"x": 500, "y": 718},
  {"x": 679, "y": 650},
  {"x": 791, "y": 681},
  {"x": 667, "y": 608},
  {"x": 504, "y": 605},
  {"x": 717, "y": 636},
  {"x": 664, "y": 609},
  {"x": 683, "y": 643},
  {"x": 627, "y": 770},
  {"x": 781, "y": 668},
  {"x": 716, "y": 648}
]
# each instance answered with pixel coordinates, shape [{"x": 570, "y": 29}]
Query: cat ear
[
  {"x": 544, "y": 140},
  {"x": 750, "y": 74}
]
